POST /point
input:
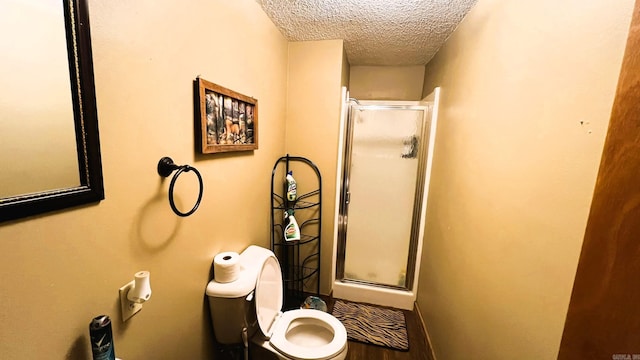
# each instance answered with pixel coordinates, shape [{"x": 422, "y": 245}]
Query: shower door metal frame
[{"x": 418, "y": 193}]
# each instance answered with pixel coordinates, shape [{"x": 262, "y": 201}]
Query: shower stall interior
[{"x": 384, "y": 179}]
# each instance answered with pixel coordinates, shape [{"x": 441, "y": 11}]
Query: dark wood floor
[{"x": 418, "y": 346}]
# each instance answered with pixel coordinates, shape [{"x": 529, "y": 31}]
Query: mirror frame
[{"x": 91, "y": 189}]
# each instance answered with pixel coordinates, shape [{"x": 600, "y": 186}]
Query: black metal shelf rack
[{"x": 299, "y": 260}]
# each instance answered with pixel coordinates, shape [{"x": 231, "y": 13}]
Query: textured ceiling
[{"x": 375, "y": 32}]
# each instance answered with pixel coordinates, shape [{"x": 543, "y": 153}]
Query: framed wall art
[{"x": 226, "y": 121}]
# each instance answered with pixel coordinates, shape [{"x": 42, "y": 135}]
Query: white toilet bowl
[{"x": 309, "y": 334}]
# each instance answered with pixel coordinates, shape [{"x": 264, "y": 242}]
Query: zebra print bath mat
[{"x": 372, "y": 324}]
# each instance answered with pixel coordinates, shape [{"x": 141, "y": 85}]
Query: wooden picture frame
[{"x": 227, "y": 120}]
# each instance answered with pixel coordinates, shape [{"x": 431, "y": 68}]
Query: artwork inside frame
[{"x": 227, "y": 121}]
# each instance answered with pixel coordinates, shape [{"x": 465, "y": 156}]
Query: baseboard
[{"x": 424, "y": 329}]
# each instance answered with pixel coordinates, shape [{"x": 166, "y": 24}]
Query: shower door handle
[{"x": 348, "y": 198}]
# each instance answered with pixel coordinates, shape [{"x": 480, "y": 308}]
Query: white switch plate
[{"x": 129, "y": 308}]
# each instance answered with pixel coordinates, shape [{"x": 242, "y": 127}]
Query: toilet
[{"x": 250, "y": 308}]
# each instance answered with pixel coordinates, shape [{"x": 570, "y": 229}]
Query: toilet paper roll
[{"x": 226, "y": 267}]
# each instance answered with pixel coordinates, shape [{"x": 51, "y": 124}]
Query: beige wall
[
  {"x": 316, "y": 74},
  {"x": 527, "y": 90},
  {"x": 346, "y": 70},
  {"x": 386, "y": 82},
  {"x": 60, "y": 270}
]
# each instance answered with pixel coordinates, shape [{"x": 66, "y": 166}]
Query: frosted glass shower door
[{"x": 382, "y": 182}]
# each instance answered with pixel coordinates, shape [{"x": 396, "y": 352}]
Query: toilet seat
[
  {"x": 315, "y": 318},
  {"x": 324, "y": 333}
]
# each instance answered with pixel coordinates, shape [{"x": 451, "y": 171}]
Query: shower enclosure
[{"x": 387, "y": 152}]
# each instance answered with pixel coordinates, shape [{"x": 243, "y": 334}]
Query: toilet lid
[{"x": 268, "y": 294}]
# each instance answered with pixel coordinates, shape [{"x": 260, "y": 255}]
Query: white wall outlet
[{"x": 129, "y": 308}]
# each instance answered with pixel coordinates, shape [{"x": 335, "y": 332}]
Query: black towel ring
[{"x": 165, "y": 168}]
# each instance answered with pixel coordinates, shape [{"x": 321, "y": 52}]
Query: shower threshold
[{"x": 372, "y": 293}]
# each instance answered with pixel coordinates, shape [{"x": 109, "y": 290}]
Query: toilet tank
[
  {"x": 229, "y": 317},
  {"x": 231, "y": 305}
]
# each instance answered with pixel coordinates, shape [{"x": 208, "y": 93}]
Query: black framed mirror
[{"x": 87, "y": 184}]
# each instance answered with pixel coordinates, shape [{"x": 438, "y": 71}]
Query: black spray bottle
[{"x": 101, "y": 338}]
